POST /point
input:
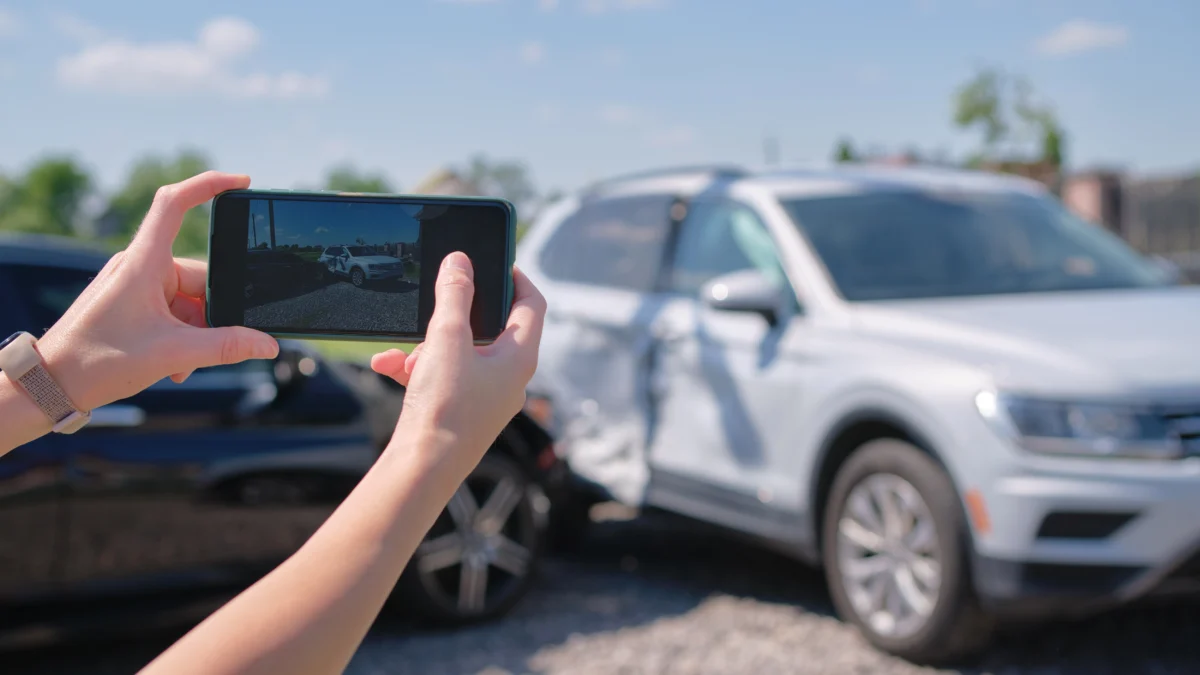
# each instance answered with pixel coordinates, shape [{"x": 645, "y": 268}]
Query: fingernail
[
  {"x": 266, "y": 349},
  {"x": 457, "y": 261}
]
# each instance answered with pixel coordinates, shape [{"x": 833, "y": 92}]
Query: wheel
[
  {"x": 895, "y": 547},
  {"x": 249, "y": 291},
  {"x": 357, "y": 277},
  {"x": 479, "y": 558}
]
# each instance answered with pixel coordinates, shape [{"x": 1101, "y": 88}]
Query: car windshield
[
  {"x": 900, "y": 245},
  {"x": 359, "y": 250}
]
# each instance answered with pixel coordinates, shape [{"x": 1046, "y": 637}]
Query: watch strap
[{"x": 22, "y": 363}]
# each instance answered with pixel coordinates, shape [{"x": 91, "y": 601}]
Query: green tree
[
  {"x": 1011, "y": 118},
  {"x": 48, "y": 199},
  {"x": 979, "y": 103},
  {"x": 346, "y": 178},
  {"x": 129, "y": 205},
  {"x": 506, "y": 179},
  {"x": 844, "y": 152}
]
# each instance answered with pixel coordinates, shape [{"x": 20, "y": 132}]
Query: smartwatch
[{"x": 21, "y": 362}]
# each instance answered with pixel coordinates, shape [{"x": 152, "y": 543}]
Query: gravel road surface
[
  {"x": 659, "y": 596},
  {"x": 386, "y": 306}
]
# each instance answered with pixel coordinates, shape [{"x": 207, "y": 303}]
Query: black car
[
  {"x": 206, "y": 485},
  {"x": 273, "y": 274}
]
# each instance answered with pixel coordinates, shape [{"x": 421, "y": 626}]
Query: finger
[
  {"x": 161, "y": 226},
  {"x": 193, "y": 277},
  {"x": 527, "y": 318},
  {"x": 452, "y": 298},
  {"x": 189, "y": 310},
  {"x": 224, "y": 346},
  {"x": 391, "y": 364},
  {"x": 179, "y": 378},
  {"x": 411, "y": 362}
]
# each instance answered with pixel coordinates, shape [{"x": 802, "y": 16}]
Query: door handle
[{"x": 118, "y": 415}]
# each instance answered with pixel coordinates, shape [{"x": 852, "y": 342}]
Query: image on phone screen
[
  {"x": 362, "y": 275},
  {"x": 358, "y": 266}
]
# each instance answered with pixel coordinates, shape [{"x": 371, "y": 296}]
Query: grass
[
  {"x": 310, "y": 256},
  {"x": 355, "y": 351}
]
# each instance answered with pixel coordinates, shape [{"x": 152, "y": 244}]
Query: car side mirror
[{"x": 746, "y": 291}]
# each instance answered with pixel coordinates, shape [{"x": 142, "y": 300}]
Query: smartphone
[{"x": 350, "y": 266}]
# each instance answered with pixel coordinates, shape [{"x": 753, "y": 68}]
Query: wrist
[
  {"x": 23, "y": 420},
  {"x": 66, "y": 365}
]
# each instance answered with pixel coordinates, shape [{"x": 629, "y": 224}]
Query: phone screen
[{"x": 344, "y": 265}]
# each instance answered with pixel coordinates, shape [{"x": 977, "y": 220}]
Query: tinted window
[
  {"x": 614, "y": 242},
  {"x": 360, "y": 250},
  {"x": 718, "y": 238},
  {"x": 885, "y": 246},
  {"x": 47, "y": 292}
]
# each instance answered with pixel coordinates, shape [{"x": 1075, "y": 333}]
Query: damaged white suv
[{"x": 962, "y": 401}]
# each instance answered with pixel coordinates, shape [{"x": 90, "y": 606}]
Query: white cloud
[
  {"x": 321, "y": 230},
  {"x": 548, "y": 5},
  {"x": 673, "y": 136},
  {"x": 533, "y": 53},
  {"x": 204, "y": 66},
  {"x": 1080, "y": 35},
  {"x": 76, "y": 28},
  {"x": 10, "y": 23},
  {"x": 602, "y": 6},
  {"x": 617, "y": 114}
]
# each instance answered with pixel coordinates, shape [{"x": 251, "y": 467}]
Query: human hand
[
  {"x": 460, "y": 395},
  {"x": 142, "y": 317}
]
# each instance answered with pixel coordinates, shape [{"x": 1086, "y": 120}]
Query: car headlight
[{"x": 1080, "y": 428}]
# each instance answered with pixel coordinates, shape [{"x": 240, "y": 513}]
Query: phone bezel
[{"x": 321, "y": 195}]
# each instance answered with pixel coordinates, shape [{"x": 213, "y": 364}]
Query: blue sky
[
  {"x": 328, "y": 223},
  {"x": 579, "y": 89}
]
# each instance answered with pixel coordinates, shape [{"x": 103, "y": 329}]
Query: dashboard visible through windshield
[{"x": 902, "y": 245}]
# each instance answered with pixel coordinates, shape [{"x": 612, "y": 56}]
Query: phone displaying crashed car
[{"x": 352, "y": 266}]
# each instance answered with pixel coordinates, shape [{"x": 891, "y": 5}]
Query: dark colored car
[
  {"x": 205, "y": 486},
  {"x": 276, "y": 274}
]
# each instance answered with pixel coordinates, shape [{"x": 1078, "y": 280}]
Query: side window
[
  {"x": 47, "y": 292},
  {"x": 719, "y": 237},
  {"x": 615, "y": 242}
]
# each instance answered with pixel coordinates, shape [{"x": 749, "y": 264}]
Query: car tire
[
  {"x": 358, "y": 277},
  {"x": 906, "y": 584},
  {"x": 436, "y": 583}
]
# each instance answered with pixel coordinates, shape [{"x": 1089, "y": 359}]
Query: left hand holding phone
[{"x": 142, "y": 317}]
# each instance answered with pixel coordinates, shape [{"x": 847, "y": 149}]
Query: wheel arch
[{"x": 851, "y": 431}]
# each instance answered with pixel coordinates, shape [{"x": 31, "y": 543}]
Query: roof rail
[{"x": 717, "y": 171}]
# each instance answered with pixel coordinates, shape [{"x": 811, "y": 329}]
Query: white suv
[
  {"x": 360, "y": 264},
  {"x": 962, "y": 401}
]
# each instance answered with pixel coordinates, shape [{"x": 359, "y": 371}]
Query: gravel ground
[
  {"x": 386, "y": 306},
  {"x": 657, "y": 596}
]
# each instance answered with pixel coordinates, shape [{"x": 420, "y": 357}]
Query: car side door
[
  {"x": 32, "y": 482},
  {"x": 722, "y": 387},
  {"x": 600, "y": 270}
]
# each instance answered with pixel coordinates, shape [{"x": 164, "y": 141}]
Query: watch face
[{"x": 8, "y": 340}]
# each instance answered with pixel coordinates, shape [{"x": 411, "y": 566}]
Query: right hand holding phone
[{"x": 461, "y": 395}]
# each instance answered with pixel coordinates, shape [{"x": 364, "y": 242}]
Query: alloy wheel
[
  {"x": 888, "y": 555},
  {"x": 356, "y": 277},
  {"x": 482, "y": 547}
]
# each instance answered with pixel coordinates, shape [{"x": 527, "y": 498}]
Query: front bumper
[{"x": 1071, "y": 535}]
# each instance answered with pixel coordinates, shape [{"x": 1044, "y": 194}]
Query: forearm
[
  {"x": 310, "y": 614},
  {"x": 21, "y": 420}
]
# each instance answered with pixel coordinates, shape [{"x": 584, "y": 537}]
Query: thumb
[
  {"x": 232, "y": 344},
  {"x": 453, "y": 294}
]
